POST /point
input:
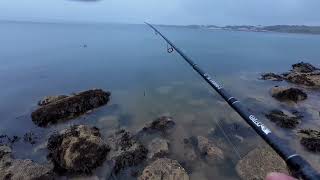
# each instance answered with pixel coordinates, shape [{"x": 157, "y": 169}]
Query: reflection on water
[{"x": 146, "y": 83}]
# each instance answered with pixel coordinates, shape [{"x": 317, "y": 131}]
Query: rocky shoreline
[
  {"x": 304, "y": 76},
  {"x": 80, "y": 149}
]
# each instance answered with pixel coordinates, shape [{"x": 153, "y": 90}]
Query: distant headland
[{"x": 302, "y": 29}]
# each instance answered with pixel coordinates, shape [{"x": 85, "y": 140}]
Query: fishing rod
[{"x": 300, "y": 167}]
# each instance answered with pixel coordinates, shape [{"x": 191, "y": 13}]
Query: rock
[
  {"x": 303, "y": 67},
  {"x": 161, "y": 125},
  {"x": 310, "y": 139},
  {"x": 258, "y": 163},
  {"x": 6, "y": 140},
  {"x": 304, "y": 79},
  {"x": 79, "y": 149},
  {"x": 158, "y": 147},
  {"x": 50, "y": 99},
  {"x": 283, "y": 120},
  {"x": 17, "y": 169},
  {"x": 30, "y": 137},
  {"x": 288, "y": 94},
  {"x": 209, "y": 150},
  {"x": 164, "y": 169},
  {"x": 125, "y": 150},
  {"x": 70, "y": 107},
  {"x": 272, "y": 77}
]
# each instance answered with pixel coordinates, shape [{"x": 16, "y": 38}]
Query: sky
[{"x": 180, "y": 12}]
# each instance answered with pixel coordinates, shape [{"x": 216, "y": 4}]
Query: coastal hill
[{"x": 276, "y": 28}]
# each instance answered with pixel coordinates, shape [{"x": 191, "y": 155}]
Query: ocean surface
[{"x": 130, "y": 61}]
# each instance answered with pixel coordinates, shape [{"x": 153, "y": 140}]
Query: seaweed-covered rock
[
  {"x": 125, "y": 150},
  {"x": 282, "y": 119},
  {"x": 258, "y": 163},
  {"x": 158, "y": 147},
  {"x": 272, "y": 77},
  {"x": 310, "y": 139},
  {"x": 79, "y": 149},
  {"x": 288, "y": 94},
  {"x": 164, "y": 169},
  {"x": 303, "y": 67},
  {"x": 17, "y": 169},
  {"x": 50, "y": 99},
  {"x": 312, "y": 79},
  {"x": 161, "y": 125},
  {"x": 70, "y": 107}
]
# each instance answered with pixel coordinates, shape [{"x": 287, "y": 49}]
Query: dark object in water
[
  {"x": 70, "y": 107},
  {"x": 271, "y": 76},
  {"x": 310, "y": 139},
  {"x": 299, "y": 165},
  {"x": 125, "y": 150},
  {"x": 288, "y": 94},
  {"x": 303, "y": 67},
  {"x": 6, "y": 140},
  {"x": 161, "y": 125},
  {"x": 30, "y": 137},
  {"x": 282, "y": 119},
  {"x": 79, "y": 149}
]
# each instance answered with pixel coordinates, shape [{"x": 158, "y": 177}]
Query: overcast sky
[{"x": 220, "y": 12}]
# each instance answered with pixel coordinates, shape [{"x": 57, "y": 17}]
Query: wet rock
[
  {"x": 125, "y": 150},
  {"x": 209, "y": 150},
  {"x": 164, "y": 169},
  {"x": 282, "y": 119},
  {"x": 272, "y": 77},
  {"x": 161, "y": 125},
  {"x": 288, "y": 94},
  {"x": 303, "y": 79},
  {"x": 50, "y": 99},
  {"x": 258, "y": 163},
  {"x": 303, "y": 67},
  {"x": 17, "y": 169},
  {"x": 70, "y": 107},
  {"x": 158, "y": 147},
  {"x": 310, "y": 139},
  {"x": 79, "y": 149}
]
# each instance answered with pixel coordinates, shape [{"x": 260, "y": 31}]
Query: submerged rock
[
  {"x": 272, "y": 77},
  {"x": 209, "y": 150},
  {"x": 164, "y": 169},
  {"x": 288, "y": 94},
  {"x": 125, "y": 150},
  {"x": 22, "y": 169},
  {"x": 161, "y": 125},
  {"x": 258, "y": 163},
  {"x": 50, "y": 99},
  {"x": 282, "y": 119},
  {"x": 70, "y": 107},
  {"x": 6, "y": 140},
  {"x": 158, "y": 147},
  {"x": 303, "y": 67},
  {"x": 79, "y": 149},
  {"x": 310, "y": 139}
]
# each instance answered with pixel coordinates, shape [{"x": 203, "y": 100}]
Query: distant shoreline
[{"x": 300, "y": 29}]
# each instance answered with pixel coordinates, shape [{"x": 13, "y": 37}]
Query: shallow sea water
[{"x": 40, "y": 59}]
